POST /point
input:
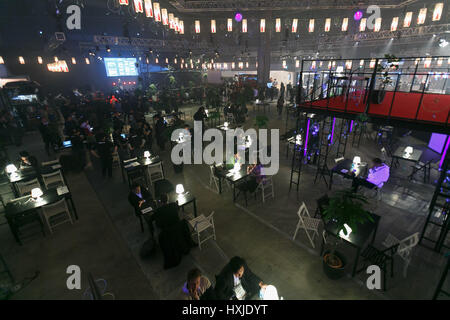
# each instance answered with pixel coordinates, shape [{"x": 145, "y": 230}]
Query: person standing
[
  {"x": 280, "y": 104},
  {"x": 160, "y": 128},
  {"x": 46, "y": 134},
  {"x": 104, "y": 150}
]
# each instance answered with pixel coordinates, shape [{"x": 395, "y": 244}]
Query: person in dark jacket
[
  {"x": 167, "y": 214},
  {"x": 46, "y": 134},
  {"x": 104, "y": 150},
  {"x": 139, "y": 195},
  {"x": 160, "y": 128},
  {"x": 237, "y": 282},
  {"x": 280, "y": 104}
]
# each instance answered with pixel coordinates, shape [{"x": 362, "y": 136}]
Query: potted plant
[
  {"x": 346, "y": 210},
  {"x": 390, "y": 65}
]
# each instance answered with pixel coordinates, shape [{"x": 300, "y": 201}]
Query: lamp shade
[
  {"x": 357, "y": 160},
  {"x": 10, "y": 168},
  {"x": 36, "y": 193},
  {"x": 347, "y": 232},
  {"x": 225, "y": 124},
  {"x": 147, "y": 154},
  {"x": 409, "y": 150},
  {"x": 179, "y": 189},
  {"x": 269, "y": 293}
]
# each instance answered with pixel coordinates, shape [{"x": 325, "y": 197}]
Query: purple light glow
[
  {"x": 358, "y": 15},
  {"x": 238, "y": 17},
  {"x": 307, "y": 136},
  {"x": 332, "y": 131},
  {"x": 437, "y": 142},
  {"x": 445, "y": 152},
  {"x": 351, "y": 126}
]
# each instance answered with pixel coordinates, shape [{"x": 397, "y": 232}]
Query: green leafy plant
[
  {"x": 347, "y": 207},
  {"x": 261, "y": 122},
  {"x": 152, "y": 90}
]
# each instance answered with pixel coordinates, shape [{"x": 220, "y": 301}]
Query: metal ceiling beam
[{"x": 261, "y": 5}]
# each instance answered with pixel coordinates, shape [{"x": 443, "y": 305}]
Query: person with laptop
[
  {"x": 27, "y": 161},
  {"x": 378, "y": 175},
  {"x": 237, "y": 282}
]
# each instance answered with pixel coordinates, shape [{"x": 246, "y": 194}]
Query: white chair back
[
  {"x": 407, "y": 244},
  {"x": 53, "y": 178},
  {"x": 155, "y": 172},
  {"x": 50, "y": 163}
]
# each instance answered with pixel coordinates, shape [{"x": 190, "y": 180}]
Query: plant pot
[
  {"x": 337, "y": 270},
  {"x": 378, "y": 96}
]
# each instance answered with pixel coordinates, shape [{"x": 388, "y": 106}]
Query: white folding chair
[
  {"x": 56, "y": 214},
  {"x": 155, "y": 172},
  {"x": 307, "y": 223},
  {"x": 202, "y": 223},
  {"x": 266, "y": 187},
  {"x": 50, "y": 163},
  {"x": 55, "y": 179},
  {"x": 26, "y": 187},
  {"x": 404, "y": 249},
  {"x": 213, "y": 180}
]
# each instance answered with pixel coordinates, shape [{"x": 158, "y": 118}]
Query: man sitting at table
[
  {"x": 237, "y": 282},
  {"x": 27, "y": 161},
  {"x": 138, "y": 196},
  {"x": 378, "y": 175}
]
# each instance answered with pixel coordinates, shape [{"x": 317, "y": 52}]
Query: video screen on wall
[{"x": 120, "y": 67}]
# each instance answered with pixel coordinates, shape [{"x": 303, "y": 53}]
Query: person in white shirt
[{"x": 378, "y": 176}]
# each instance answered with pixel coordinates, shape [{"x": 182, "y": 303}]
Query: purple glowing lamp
[
  {"x": 238, "y": 17},
  {"x": 358, "y": 15}
]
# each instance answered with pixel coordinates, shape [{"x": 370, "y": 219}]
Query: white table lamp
[
  {"x": 357, "y": 161},
  {"x": 10, "y": 168},
  {"x": 147, "y": 154},
  {"x": 269, "y": 293},
  {"x": 298, "y": 139},
  {"x": 348, "y": 231},
  {"x": 225, "y": 124},
  {"x": 180, "y": 189},
  {"x": 36, "y": 194},
  {"x": 409, "y": 151}
]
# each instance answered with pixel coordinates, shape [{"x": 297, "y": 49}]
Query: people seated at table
[
  {"x": 27, "y": 160},
  {"x": 139, "y": 195},
  {"x": 197, "y": 286},
  {"x": 237, "y": 282},
  {"x": 378, "y": 175},
  {"x": 250, "y": 184}
]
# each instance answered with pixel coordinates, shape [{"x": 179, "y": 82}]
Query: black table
[
  {"x": 141, "y": 163},
  {"x": 399, "y": 154},
  {"x": 345, "y": 168},
  {"x": 233, "y": 178},
  {"x": 181, "y": 199},
  {"x": 358, "y": 238},
  {"x": 24, "y": 205},
  {"x": 30, "y": 173}
]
